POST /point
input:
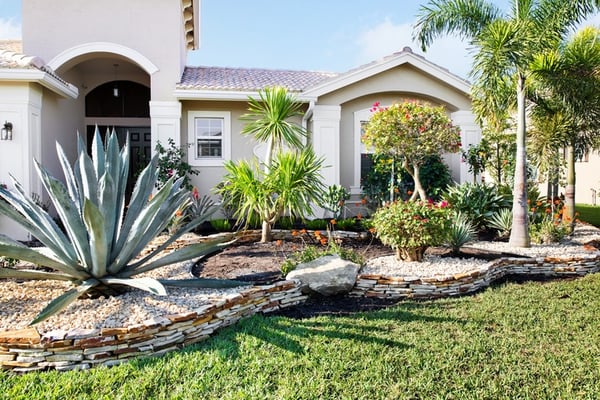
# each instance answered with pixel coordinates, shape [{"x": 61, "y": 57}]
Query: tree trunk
[
  {"x": 418, "y": 185},
  {"x": 266, "y": 232},
  {"x": 410, "y": 253},
  {"x": 519, "y": 234},
  {"x": 569, "y": 211}
]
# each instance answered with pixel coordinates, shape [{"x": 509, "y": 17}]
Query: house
[{"x": 75, "y": 71}]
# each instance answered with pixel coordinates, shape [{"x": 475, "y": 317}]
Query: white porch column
[
  {"x": 22, "y": 106},
  {"x": 165, "y": 122},
  {"x": 470, "y": 134},
  {"x": 326, "y": 141}
]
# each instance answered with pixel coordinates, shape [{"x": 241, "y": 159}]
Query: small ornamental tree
[{"x": 411, "y": 131}]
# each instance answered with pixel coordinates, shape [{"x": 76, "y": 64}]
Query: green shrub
[
  {"x": 98, "y": 251},
  {"x": 548, "y": 231},
  {"x": 334, "y": 200},
  {"x": 310, "y": 253},
  {"x": 477, "y": 201},
  {"x": 409, "y": 227},
  {"x": 501, "y": 221},
  {"x": 221, "y": 225},
  {"x": 316, "y": 224},
  {"x": 171, "y": 163}
]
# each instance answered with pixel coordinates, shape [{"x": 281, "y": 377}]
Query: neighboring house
[{"x": 122, "y": 64}]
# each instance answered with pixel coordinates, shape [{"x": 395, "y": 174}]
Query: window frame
[{"x": 193, "y": 159}]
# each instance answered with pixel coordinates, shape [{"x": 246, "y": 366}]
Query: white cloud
[
  {"x": 387, "y": 38},
  {"x": 9, "y": 29}
]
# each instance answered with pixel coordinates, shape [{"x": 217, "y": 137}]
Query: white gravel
[
  {"x": 22, "y": 301},
  {"x": 435, "y": 265}
]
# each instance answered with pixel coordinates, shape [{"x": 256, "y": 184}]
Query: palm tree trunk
[
  {"x": 266, "y": 232},
  {"x": 569, "y": 211},
  {"x": 519, "y": 234}
]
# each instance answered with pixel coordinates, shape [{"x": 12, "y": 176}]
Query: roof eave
[
  {"x": 228, "y": 95},
  {"x": 46, "y": 80},
  {"x": 376, "y": 68}
]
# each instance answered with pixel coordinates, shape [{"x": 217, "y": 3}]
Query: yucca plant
[
  {"x": 98, "y": 250},
  {"x": 502, "y": 221},
  {"x": 461, "y": 232}
]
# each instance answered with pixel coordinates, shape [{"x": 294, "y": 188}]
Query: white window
[{"x": 210, "y": 135}]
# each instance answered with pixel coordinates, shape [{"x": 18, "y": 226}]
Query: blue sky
[{"x": 315, "y": 35}]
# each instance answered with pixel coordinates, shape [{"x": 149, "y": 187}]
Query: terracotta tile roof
[
  {"x": 16, "y": 60},
  {"x": 248, "y": 79},
  {"x": 12, "y": 45}
]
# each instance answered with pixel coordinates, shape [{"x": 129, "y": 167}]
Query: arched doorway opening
[{"x": 124, "y": 106}]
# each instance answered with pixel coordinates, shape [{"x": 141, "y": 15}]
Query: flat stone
[{"x": 23, "y": 336}]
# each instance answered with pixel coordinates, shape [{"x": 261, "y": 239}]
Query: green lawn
[
  {"x": 526, "y": 341},
  {"x": 589, "y": 214}
]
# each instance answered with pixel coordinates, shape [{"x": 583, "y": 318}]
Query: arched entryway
[{"x": 114, "y": 104}]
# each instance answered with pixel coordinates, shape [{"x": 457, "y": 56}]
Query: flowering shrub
[
  {"x": 412, "y": 131},
  {"x": 410, "y": 227},
  {"x": 171, "y": 162}
]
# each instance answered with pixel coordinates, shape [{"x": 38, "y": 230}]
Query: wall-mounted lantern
[{"x": 6, "y": 133}]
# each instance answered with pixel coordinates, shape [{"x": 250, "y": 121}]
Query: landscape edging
[{"x": 391, "y": 287}]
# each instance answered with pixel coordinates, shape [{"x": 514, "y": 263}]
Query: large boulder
[{"x": 327, "y": 275}]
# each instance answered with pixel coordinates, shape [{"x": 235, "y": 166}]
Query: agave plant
[{"x": 102, "y": 239}]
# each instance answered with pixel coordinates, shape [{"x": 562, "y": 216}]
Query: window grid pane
[{"x": 209, "y": 134}]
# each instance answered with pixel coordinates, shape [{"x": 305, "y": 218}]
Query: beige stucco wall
[
  {"x": 242, "y": 147},
  {"x": 401, "y": 83},
  {"x": 587, "y": 177},
  {"x": 150, "y": 27},
  {"x": 404, "y": 79}
]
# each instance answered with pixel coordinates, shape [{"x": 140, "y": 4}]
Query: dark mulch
[{"x": 260, "y": 263}]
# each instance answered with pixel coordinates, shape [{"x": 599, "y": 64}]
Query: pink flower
[{"x": 195, "y": 193}]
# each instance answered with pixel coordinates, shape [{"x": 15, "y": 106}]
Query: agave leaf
[
  {"x": 32, "y": 274},
  {"x": 37, "y": 221},
  {"x": 149, "y": 223},
  {"x": 139, "y": 199},
  {"x": 185, "y": 253},
  {"x": 98, "y": 155},
  {"x": 184, "y": 229},
  {"x": 68, "y": 214},
  {"x": 204, "y": 283},
  {"x": 148, "y": 284},
  {"x": 108, "y": 208},
  {"x": 94, "y": 221},
  {"x": 70, "y": 178},
  {"x": 13, "y": 249},
  {"x": 63, "y": 301},
  {"x": 89, "y": 179}
]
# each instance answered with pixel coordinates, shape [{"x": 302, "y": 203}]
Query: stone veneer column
[
  {"x": 326, "y": 141},
  {"x": 165, "y": 122},
  {"x": 470, "y": 134}
]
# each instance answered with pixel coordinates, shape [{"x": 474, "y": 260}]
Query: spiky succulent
[{"x": 102, "y": 239}]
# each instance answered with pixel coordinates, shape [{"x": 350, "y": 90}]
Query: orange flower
[
  {"x": 532, "y": 209},
  {"x": 279, "y": 243},
  {"x": 538, "y": 203},
  {"x": 323, "y": 241},
  {"x": 332, "y": 221},
  {"x": 372, "y": 230},
  {"x": 409, "y": 192},
  {"x": 548, "y": 210},
  {"x": 303, "y": 231},
  {"x": 294, "y": 233},
  {"x": 179, "y": 213},
  {"x": 359, "y": 216},
  {"x": 528, "y": 201},
  {"x": 317, "y": 233}
]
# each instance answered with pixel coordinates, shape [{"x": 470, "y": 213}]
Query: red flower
[{"x": 195, "y": 193}]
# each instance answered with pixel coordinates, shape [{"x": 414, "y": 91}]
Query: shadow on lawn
[{"x": 290, "y": 334}]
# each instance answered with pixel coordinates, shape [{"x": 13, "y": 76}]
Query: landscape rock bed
[
  {"x": 27, "y": 349},
  {"x": 437, "y": 286}
]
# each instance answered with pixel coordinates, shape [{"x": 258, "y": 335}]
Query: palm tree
[
  {"x": 568, "y": 83},
  {"x": 268, "y": 120},
  {"x": 505, "y": 45},
  {"x": 291, "y": 180}
]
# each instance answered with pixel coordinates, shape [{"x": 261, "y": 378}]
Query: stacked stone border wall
[
  {"x": 27, "y": 350},
  {"x": 391, "y": 287}
]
